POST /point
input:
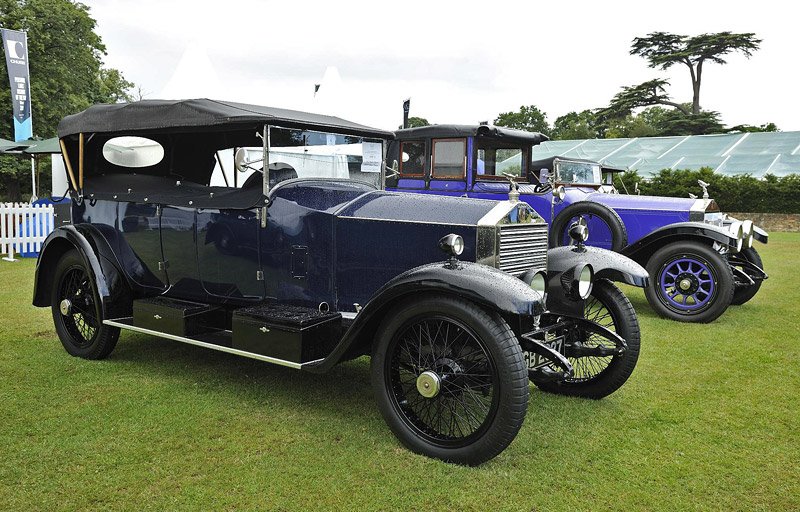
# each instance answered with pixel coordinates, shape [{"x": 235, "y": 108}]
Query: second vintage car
[
  {"x": 267, "y": 233},
  {"x": 700, "y": 260}
]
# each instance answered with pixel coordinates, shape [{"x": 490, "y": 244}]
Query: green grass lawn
[{"x": 710, "y": 420}]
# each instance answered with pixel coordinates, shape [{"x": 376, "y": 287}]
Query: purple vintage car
[{"x": 700, "y": 260}]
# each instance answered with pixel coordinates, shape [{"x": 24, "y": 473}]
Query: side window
[
  {"x": 412, "y": 158},
  {"x": 449, "y": 158},
  {"x": 494, "y": 159}
]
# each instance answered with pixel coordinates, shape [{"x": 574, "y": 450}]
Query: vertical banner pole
[{"x": 15, "y": 46}]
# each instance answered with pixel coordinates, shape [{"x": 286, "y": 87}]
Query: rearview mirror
[
  {"x": 240, "y": 160},
  {"x": 544, "y": 175}
]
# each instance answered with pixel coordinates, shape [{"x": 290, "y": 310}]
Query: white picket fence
[{"x": 23, "y": 227}]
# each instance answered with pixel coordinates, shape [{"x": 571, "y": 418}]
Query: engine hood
[
  {"x": 650, "y": 203},
  {"x": 383, "y": 205}
]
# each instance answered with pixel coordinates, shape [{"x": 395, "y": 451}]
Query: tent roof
[
  {"x": 201, "y": 115},
  {"x": 757, "y": 154}
]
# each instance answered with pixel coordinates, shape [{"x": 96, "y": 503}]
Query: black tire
[
  {"x": 81, "y": 330},
  {"x": 559, "y": 229},
  {"x": 742, "y": 294},
  {"x": 483, "y": 376},
  {"x": 597, "y": 377},
  {"x": 712, "y": 273}
]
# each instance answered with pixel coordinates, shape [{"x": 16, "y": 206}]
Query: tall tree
[
  {"x": 663, "y": 50},
  {"x": 529, "y": 118},
  {"x": 67, "y": 72},
  {"x": 576, "y": 125},
  {"x": 416, "y": 122}
]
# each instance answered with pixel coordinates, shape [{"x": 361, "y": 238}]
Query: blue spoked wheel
[{"x": 690, "y": 282}]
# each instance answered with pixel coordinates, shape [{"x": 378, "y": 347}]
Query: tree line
[{"x": 67, "y": 76}]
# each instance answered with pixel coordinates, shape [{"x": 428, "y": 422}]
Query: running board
[{"x": 127, "y": 323}]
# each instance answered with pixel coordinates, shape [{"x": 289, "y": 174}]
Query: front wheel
[
  {"x": 690, "y": 282},
  {"x": 597, "y": 376},
  {"x": 77, "y": 314},
  {"x": 450, "y": 379}
]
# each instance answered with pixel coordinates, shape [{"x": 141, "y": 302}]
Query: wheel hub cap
[
  {"x": 429, "y": 384},
  {"x": 685, "y": 284},
  {"x": 65, "y": 307}
]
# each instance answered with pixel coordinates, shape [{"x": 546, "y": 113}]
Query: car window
[
  {"x": 412, "y": 158},
  {"x": 308, "y": 154},
  {"x": 449, "y": 158},
  {"x": 495, "y": 158},
  {"x": 133, "y": 152},
  {"x": 578, "y": 172}
]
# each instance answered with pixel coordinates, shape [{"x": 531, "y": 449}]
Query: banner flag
[{"x": 15, "y": 45}]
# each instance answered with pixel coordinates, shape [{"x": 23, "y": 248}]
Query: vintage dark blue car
[
  {"x": 179, "y": 232},
  {"x": 700, "y": 260}
]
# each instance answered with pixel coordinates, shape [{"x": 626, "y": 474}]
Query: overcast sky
[{"x": 460, "y": 62}]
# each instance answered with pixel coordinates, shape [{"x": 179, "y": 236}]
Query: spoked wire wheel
[
  {"x": 449, "y": 379},
  {"x": 442, "y": 380},
  {"x": 598, "y": 376},
  {"x": 76, "y": 313},
  {"x": 589, "y": 367},
  {"x": 77, "y": 306}
]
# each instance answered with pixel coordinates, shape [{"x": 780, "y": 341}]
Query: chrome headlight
[
  {"x": 452, "y": 244},
  {"x": 578, "y": 231},
  {"x": 578, "y": 281},
  {"x": 559, "y": 193},
  {"x": 748, "y": 229},
  {"x": 737, "y": 231},
  {"x": 537, "y": 280}
]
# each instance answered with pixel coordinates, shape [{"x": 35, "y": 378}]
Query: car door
[{"x": 228, "y": 255}]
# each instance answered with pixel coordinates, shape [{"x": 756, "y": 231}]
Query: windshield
[
  {"x": 310, "y": 154},
  {"x": 578, "y": 172},
  {"x": 496, "y": 158}
]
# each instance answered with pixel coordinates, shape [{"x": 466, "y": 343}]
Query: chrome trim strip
[
  {"x": 347, "y": 315},
  {"x": 118, "y": 323}
]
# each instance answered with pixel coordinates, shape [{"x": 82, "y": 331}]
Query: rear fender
[
  {"x": 112, "y": 289},
  {"x": 491, "y": 288}
]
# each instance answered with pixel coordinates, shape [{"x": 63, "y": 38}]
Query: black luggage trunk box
[
  {"x": 178, "y": 317},
  {"x": 289, "y": 333}
]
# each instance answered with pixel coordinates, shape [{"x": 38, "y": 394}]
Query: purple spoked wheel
[{"x": 686, "y": 284}]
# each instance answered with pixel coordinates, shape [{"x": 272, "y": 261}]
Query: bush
[{"x": 741, "y": 193}]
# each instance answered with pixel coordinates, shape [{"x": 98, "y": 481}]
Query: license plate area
[{"x": 534, "y": 361}]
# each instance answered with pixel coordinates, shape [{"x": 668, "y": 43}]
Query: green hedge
[{"x": 742, "y": 193}]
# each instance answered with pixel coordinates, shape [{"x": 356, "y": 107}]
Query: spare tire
[{"x": 606, "y": 229}]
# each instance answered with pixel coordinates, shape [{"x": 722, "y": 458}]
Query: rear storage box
[
  {"x": 178, "y": 317},
  {"x": 290, "y": 333}
]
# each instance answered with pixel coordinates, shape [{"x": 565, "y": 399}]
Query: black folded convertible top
[
  {"x": 200, "y": 115},
  {"x": 471, "y": 130}
]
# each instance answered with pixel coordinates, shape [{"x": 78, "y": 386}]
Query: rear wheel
[
  {"x": 742, "y": 294},
  {"x": 77, "y": 314},
  {"x": 690, "y": 282},
  {"x": 599, "y": 376},
  {"x": 450, "y": 379}
]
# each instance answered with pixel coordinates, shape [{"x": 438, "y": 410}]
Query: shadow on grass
[{"x": 344, "y": 391}]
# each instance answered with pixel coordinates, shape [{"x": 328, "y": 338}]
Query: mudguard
[
  {"x": 642, "y": 249},
  {"x": 484, "y": 285},
  {"x": 112, "y": 289},
  {"x": 606, "y": 264}
]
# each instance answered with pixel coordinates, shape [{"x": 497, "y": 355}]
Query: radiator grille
[{"x": 522, "y": 247}]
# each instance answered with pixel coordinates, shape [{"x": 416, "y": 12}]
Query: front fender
[
  {"x": 606, "y": 264},
  {"x": 484, "y": 285},
  {"x": 642, "y": 249},
  {"x": 112, "y": 289}
]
